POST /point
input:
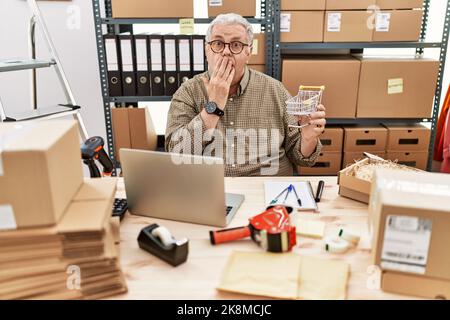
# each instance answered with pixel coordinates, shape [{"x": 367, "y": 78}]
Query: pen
[
  {"x": 298, "y": 199},
  {"x": 287, "y": 193},
  {"x": 279, "y": 195},
  {"x": 319, "y": 190}
]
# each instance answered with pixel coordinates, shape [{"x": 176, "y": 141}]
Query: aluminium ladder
[{"x": 43, "y": 113}]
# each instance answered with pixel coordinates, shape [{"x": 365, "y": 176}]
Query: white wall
[{"x": 76, "y": 47}]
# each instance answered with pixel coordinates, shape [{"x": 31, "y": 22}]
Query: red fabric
[
  {"x": 439, "y": 142},
  {"x": 446, "y": 146}
]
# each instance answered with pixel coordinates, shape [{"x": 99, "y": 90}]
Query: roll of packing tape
[
  {"x": 336, "y": 244},
  {"x": 350, "y": 236},
  {"x": 164, "y": 235}
]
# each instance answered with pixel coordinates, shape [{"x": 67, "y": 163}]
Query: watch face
[{"x": 210, "y": 107}]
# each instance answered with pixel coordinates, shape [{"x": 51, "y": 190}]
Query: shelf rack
[
  {"x": 115, "y": 25},
  {"x": 282, "y": 49}
]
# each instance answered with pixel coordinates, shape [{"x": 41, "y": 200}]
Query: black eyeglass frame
[{"x": 229, "y": 47}]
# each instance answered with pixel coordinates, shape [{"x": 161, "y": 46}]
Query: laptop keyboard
[{"x": 228, "y": 210}]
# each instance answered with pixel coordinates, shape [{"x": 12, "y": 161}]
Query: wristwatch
[{"x": 212, "y": 108}]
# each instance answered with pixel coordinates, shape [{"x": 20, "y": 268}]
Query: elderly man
[{"x": 239, "y": 114}]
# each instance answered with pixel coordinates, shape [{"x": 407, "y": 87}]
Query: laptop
[{"x": 178, "y": 187}]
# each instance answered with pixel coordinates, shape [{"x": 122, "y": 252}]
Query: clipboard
[{"x": 304, "y": 190}]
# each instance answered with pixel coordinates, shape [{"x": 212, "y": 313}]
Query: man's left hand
[{"x": 316, "y": 126}]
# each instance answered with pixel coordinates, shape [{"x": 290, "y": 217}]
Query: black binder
[
  {"x": 113, "y": 65},
  {"x": 199, "y": 64},
  {"x": 184, "y": 61},
  {"x": 128, "y": 65},
  {"x": 170, "y": 65},
  {"x": 156, "y": 63},
  {"x": 141, "y": 46}
]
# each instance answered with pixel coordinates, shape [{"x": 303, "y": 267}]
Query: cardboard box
[
  {"x": 363, "y": 139},
  {"x": 415, "y": 159},
  {"x": 328, "y": 163},
  {"x": 352, "y": 187},
  {"x": 259, "y": 49},
  {"x": 301, "y": 26},
  {"x": 40, "y": 172},
  {"x": 152, "y": 9},
  {"x": 246, "y": 8},
  {"x": 121, "y": 130},
  {"x": 303, "y": 4},
  {"x": 349, "y": 4},
  {"x": 133, "y": 129},
  {"x": 351, "y": 157},
  {"x": 399, "y": 4},
  {"x": 401, "y": 283},
  {"x": 258, "y": 67},
  {"x": 388, "y": 85},
  {"x": 339, "y": 75},
  {"x": 142, "y": 130},
  {"x": 398, "y": 25},
  {"x": 347, "y": 26},
  {"x": 332, "y": 139},
  {"x": 410, "y": 223},
  {"x": 413, "y": 137}
]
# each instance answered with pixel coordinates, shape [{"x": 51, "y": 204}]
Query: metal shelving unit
[
  {"x": 281, "y": 49},
  {"x": 115, "y": 25}
]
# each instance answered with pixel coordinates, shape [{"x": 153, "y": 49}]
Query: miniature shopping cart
[{"x": 305, "y": 102}]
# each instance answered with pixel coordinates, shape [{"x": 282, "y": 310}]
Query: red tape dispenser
[{"x": 270, "y": 229}]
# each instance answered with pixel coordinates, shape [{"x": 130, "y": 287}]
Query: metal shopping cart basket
[{"x": 305, "y": 102}]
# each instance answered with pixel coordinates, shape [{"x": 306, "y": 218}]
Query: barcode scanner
[{"x": 91, "y": 150}]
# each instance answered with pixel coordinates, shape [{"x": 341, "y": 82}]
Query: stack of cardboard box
[
  {"x": 329, "y": 160},
  {"x": 57, "y": 237},
  {"x": 350, "y": 20},
  {"x": 409, "y": 221}
]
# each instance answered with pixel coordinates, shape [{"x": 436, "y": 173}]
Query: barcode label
[
  {"x": 383, "y": 21},
  {"x": 406, "y": 244},
  {"x": 215, "y": 3},
  {"x": 334, "y": 22},
  {"x": 285, "y": 22}
]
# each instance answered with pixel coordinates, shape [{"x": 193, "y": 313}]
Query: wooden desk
[{"x": 150, "y": 278}]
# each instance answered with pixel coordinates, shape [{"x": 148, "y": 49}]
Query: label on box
[
  {"x": 334, "y": 22},
  {"x": 406, "y": 244},
  {"x": 285, "y": 22},
  {"x": 395, "y": 86},
  {"x": 7, "y": 219},
  {"x": 1, "y": 163},
  {"x": 383, "y": 21},
  {"x": 255, "y": 47},
  {"x": 215, "y": 3},
  {"x": 186, "y": 26}
]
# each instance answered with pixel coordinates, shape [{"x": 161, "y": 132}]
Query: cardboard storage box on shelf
[
  {"x": 301, "y": 26},
  {"x": 258, "y": 67},
  {"x": 399, "y": 4},
  {"x": 303, "y": 4},
  {"x": 152, "y": 9},
  {"x": 349, "y": 4},
  {"x": 350, "y": 157},
  {"x": 40, "y": 172},
  {"x": 328, "y": 163},
  {"x": 339, "y": 75},
  {"x": 258, "y": 55},
  {"x": 133, "y": 128},
  {"x": 410, "y": 235},
  {"x": 413, "y": 137},
  {"x": 357, "y": 138},
  {"x": 396, "y": 87},
  {"x": 246, "y": 8},
  {"x": 347, "y": 26},
  {"x": 398, "y": 25},
  {"x": 415, "y": 159},
  {"x": 332, "y": 139}
]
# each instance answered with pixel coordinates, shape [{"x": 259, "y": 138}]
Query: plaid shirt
[{"x": 270, "y": 147}]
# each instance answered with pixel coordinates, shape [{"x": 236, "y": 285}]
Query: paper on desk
[{"x": 304, "y": 191}]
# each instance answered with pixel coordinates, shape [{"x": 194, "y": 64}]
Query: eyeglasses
[{"x": 236, "y": 47}]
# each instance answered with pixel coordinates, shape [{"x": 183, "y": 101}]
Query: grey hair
[{"x": 231, "y": 19}]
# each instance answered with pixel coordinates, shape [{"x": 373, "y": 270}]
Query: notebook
[{"x": 304, "y": 191}]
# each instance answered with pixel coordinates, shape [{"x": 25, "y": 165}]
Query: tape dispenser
[{"x": 158, "y": 241}]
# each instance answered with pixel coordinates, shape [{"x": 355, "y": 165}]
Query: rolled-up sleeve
[
  {"x": 185, "y": 127},
  {"x": 293, "y": 139}
]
